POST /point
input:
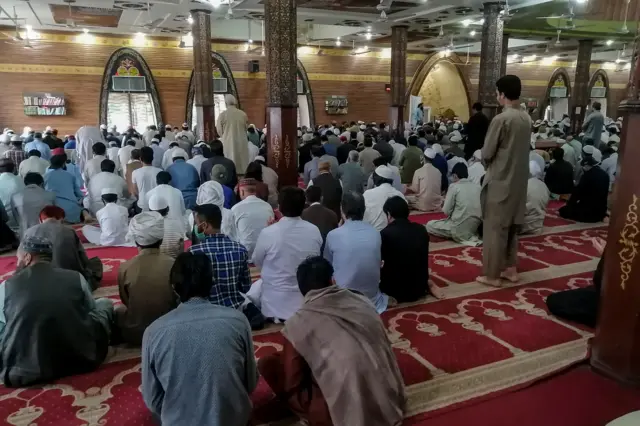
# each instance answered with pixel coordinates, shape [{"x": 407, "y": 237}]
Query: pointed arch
[
  {"x": 427, "y": 66},
  {"x": 600, "y": 78},
  {"x": 114, "y": 67},
  {"x": 558, "y": 73},
  {"x": 306, "y": 87},
  {"x": 220, "y": 65}
]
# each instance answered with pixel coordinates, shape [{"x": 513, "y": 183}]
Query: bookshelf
[{"x": 41, "y": 103}]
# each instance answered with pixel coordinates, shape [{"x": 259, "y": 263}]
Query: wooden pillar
[
  {"x": 580, "y": 96},
  {"x": 203, "y": 75},
  {"x": 282, "y": 97},
  {"x": 504, "y": 54},
  {"x": 399, "y": 35},
  {"x": 616, "y": 346},
  {"x": 490, "y": 58}
]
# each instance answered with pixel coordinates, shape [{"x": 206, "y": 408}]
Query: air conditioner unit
[
  {"x": 128, "y": 83},
  {"x": 219, "y": 85},
  {"x": 300, "y": 87}
]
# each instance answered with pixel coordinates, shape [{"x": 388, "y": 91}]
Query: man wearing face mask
[
  {"x": 52, "y": 326},
  {"x": 504, "y": 189}
]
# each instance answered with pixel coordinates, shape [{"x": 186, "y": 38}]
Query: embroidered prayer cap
[
  {"x": 57, "y": 151},
  {"x": 437, "y": 148},
  {"x": 107, "y": 191},
  {"x": 36, "y": 245},
  {"x": 430, "y": 153},
  {"x": 157, "y": 202}
]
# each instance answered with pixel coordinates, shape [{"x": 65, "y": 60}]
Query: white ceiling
[{"x": 320, "y": 22}]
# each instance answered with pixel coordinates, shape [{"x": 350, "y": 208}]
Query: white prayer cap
[
  {"x": 103, "y": 127},
  {"x": 210, "y": 192},
  {"x": 48, "y": 129},
  {"x": 538, "y": 122},
  {"x": 363, "y": 127},
  {"x": 455, "y": 138},
  {"x": 229, "y": 99},
  {"x": 437, "y": 148},
  {"x": 252, "y": 125},
  {"x": 614, "y": 147},
  {"x": 360, "y": 122},
  {"x": 430, "y": 153},
  {"x": 179, "y": 152},
  {"x": 384, "y": 172},
  {"x": 336, "y": 131},
  {"x": 259, "y": 158},
  {"x": 107, "y": 191},
  {"x": 157, "y": 202},
  {"x": 442, "y": 128},
  {"x": 593, "y": 151},
  {"x": 155, "y": 140},
  {"x": 185, "y": 125},
  {"x": 9, "y": 131},
  {"x": 147, "y": 228},
  {"x": 373, "y": 123},
  {"x": 16, "y": 138},
  {"x": 6, "y": 129},
  {"x": 534, "y": 169},
  {"x": 113, "y": 143},
  {"x": 456, "y": 126},
  {"x": 477, "y": 154}
]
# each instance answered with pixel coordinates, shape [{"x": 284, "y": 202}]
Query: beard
[{"x": 20, "y": 266}]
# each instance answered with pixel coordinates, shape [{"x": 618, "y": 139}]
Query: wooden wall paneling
[{"x": 173, "y": 95}]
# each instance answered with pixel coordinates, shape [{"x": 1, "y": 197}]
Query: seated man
[
  {"x": 202, "y": 346},
  {"x": 64, "y": 185},
  {"x": 167, "y": 157},
  {"x": 405, "y": 253},
  {"x": 52, "y": 327},
  {"x": 185, "y": 178},
  {"x": 537, "y": 200},
  {"x": 426, "y": 184},
  {"x": 463, "y": 210},
  {"x": 28, "y": 203},
  {"x": 143, "y": 281},
  {"x": 324, "y": 218},
  {"x": 113, "y": 220},
  {"x": 278, "y": 252},
  {"x": 376, "y": 197},
  {"x": 320, "y": 373},
  {"x": 559, "y": 176},
  {"x": 172, "y": 195},
  {"x": 10, "y": 185},
  {"x": 384, "y": 161},
  {"x": 476, "y": 169},
  {"x": 68, "y": 252},
  {"x": 250, "y": 216},
  {"x": 588, "y": 202},
  {"x": 33, "y": 164},
  {"x": 107, "y": 178},
  {"x": 330, "y": 187},
  {"x": 354, "y": 251},
  {"x": 93, "y": 166},
  {"x": 174, "y": 229}
]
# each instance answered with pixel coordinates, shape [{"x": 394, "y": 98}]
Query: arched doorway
[
  {"x": 306, "y": 111},
  {"x": 128, "y": 95},
  {"x": 599, "y": 89},
  {"x": 223, "y": 84},
  {"x": 442, "y": 87},
  {"x": 556, "y": 100}
]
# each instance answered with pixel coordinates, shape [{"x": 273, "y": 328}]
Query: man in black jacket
[
  {"x": 588, "y": 202},
  {"x": 476, "y": 131}
]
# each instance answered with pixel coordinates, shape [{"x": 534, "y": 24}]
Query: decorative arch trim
[
  {"x": 222, "y": 64},
  {"x": 106, "y": 79},
  {"x": 302, "y": 72},
  {"x": 605, "y": 78},
  {"x": 427, "y": 65},
  {"x": 558, "y": 72}
]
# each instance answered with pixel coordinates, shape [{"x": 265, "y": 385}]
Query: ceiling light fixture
[
  {"x": 338, "y": 42},
  {"x": 29, "y": 28},
  {"x": 472, "y": 33},
  {"x": 466, "y": 22},
  {"x": 368, "y": 36},
  {"x": 86, "y": 31},
  {"x": 190, "y": 20},
  {"x": 215, "y": 3},
  {"x": 447, "y": 52},
  {"x": 609, "y": 42}
]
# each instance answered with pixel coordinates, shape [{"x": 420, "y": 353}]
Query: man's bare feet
[
  {"x": 510, "y": 274},
  {"x": 436, "y": 291},
  {"x": 492, "y": 282}
]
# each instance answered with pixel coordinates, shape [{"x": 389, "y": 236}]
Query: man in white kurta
[
  {"x": 375, "y": 198},
  {"x": 250, "y": 216},
  {"x": 113, "y": 220},
  {"x": 33, "y": 164},
  {"x": 426, "y": 184},
  {"x": 280, "y": 249},
  {"x": 172, "y": 195},
  {"x": 232, "y": 127},
  {"x": 537, "y": 200},
  {"x": 107, "y": 178},
  {"x": 112, "y": 154},
  {"x": 463, "y": 210},
  {"x": 86, "y": 137}
]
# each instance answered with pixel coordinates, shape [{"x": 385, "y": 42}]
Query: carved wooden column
[
  {"x": 490, "y": 57},
  {"x": 397, "y": 117},
  {"x": 203, "y": 75},
  {"x": 282, "y": 98},
  {"x": 616, "y": 347},
  {"x": 504, "y": 54},
  {"x": 580, "y": 96}
]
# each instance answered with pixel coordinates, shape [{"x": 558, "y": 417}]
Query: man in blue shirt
[
  {"x": 185, "y": 178},
  {"x": 354, "y": 249},
  {"x": 38, "y": 144},
  {"x": 198, "y": 362}
]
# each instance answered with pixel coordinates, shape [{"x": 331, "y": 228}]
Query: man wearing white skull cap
[
  {"x": 426, "y": 185},
  {"x": 376, "y": 197},
  {"x": 113, "y": 220},
  {"x": 537, "y": 200}
]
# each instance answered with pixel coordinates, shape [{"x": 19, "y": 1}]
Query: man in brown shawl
[
  {"x": 504, "y": 190},
  {"x": 337, "y": 366}
]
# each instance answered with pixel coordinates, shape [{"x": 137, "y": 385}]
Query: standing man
[
  {"x": 232, "y": 126},
  {"x": 504, "y": 190},
  {"x": 593, "y": 125},
  {"x": 476, "y": 131}
]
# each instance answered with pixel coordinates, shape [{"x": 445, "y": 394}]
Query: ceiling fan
[
  {"x": 16, "y": 35},
  {"x": 153, "y": 24},
  {"x": 569, "y": 15},
  {"x": 624, "y": 29},
  {"x": 69, "y": 22},
  {"x": 506, "y": 14}
]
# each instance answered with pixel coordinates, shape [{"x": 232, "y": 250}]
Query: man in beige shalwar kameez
[
  {"x": 426, "y": 185},
  {"x": 232, "y": 127},
  {"x": 504, "y": 190}
]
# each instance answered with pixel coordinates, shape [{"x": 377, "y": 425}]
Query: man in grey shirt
[
  {"x": 351, "y": 175},
  {"x": 593, "y": 125},
  {"x": 28, "y": 203},
  {"x": 198, "y": 364}
]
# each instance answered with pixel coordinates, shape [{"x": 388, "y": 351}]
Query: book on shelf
[{"x": 37, "y": 110}]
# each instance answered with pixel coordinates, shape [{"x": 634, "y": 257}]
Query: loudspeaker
[{"x": 254, "y": 65}]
